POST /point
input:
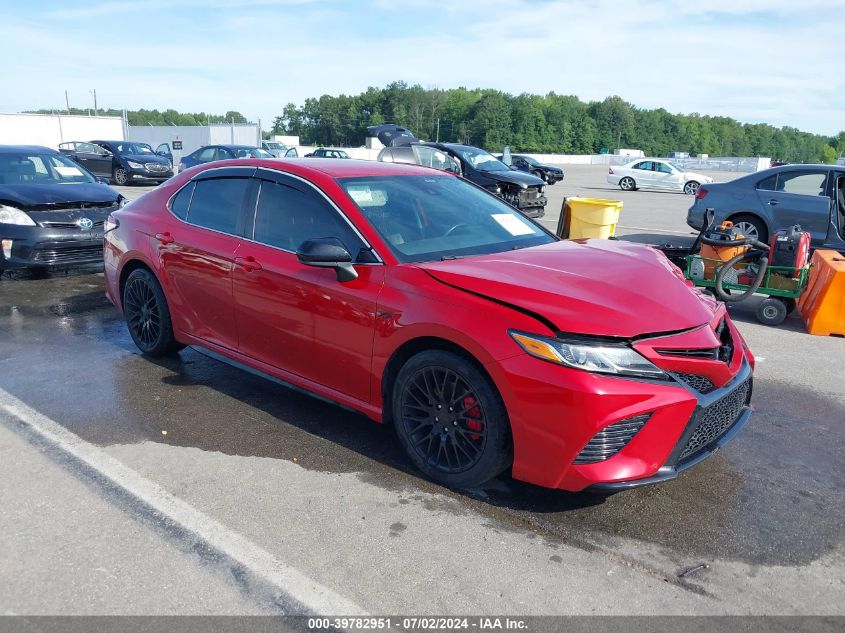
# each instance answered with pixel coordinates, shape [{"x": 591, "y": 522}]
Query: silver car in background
[
  {"x": 655, "y": 173},
  {"x": 767, "y": 201}
]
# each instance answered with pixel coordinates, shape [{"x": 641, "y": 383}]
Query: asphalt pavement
[{"x": 137, "y": 485}]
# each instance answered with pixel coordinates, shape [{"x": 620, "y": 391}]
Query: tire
[
  {"x": 771, "y": 311},
  {"x": 790, "y": 305},
  {"x": 450, "y": 420},
  {"x": 691, "y": 188},
  {"x": 119, "y": 176},
  {"x": 755, "y": 226},
  {"x": 147, "y": 315},
  {"x": 627, "y": 184},
  {"x": 540, "y": 175}
]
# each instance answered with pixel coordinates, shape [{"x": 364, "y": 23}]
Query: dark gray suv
[{"x": 764, "y": 202}]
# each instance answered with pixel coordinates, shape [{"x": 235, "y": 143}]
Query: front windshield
[
  {"x": 40, "y": 169},
  {"x": 428, "y": 218},
  {"x": 274, "y": 145},
  {"x": 529, "y": 160},
  {"x": 481, "y": 160},
  {"x": 677, "y": 167},
  {"x": 133, "y": 148}
]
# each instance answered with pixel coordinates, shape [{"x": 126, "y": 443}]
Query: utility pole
[
  {"x": 94, "y": 91},
  {"x": 67, "y": 102},
  {"x": 438, "y": 130}
]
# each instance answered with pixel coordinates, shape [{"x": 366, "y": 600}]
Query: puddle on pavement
[{"x": 776, "y": 495}]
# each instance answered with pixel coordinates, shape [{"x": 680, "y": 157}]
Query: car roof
[
  {"x": 235, "y": 146},
  {"x": 18, "y": 149},
  {"x": 333, "y": 167},
  {"x": 765, "y": 173},
  {"x": 455, "y": 146}
]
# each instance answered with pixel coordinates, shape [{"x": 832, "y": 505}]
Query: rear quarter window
[
  {"x": 768, "y": 184},
  {"x": 179, "y": 203}
]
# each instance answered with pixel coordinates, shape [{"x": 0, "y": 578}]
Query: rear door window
[
  {"x": 217, "y": 203},
  {"x": 287, "y": 215},
  {"x": 644, "y": 165},
  {"x": 807, "y": 183}
]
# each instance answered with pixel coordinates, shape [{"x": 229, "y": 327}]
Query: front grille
[
  {"x": 611, "y": 439},
  {"x": 530, "y": 197},
  {"x": 160, "y": 167},
  {"x": 716, "y": 419},
  {"x": 69, "y": 253},
  {"x": 72, "y": 206},
  {"x": 70, "y": 225},
  {"x": 702, "y": 384},
  {"x": 708, "y": 353}
]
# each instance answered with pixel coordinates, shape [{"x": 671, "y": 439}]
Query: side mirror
[
  {"x": 327, "y": 252},
  {"x": 514, "y": 168}
]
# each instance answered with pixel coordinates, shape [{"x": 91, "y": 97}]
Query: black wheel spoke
[
  {"x": 443, "y": 419},
  {"x": 143, "y": 313}
]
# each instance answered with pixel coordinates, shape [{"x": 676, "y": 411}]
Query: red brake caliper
[{"x": 474, "y": 413}]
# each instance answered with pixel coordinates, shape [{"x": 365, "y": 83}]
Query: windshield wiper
[{"x": 450, "y": 257}]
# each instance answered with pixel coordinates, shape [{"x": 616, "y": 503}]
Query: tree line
[
  {"x": 155, "y": 117},
  {"x": 550, "y": 123}
]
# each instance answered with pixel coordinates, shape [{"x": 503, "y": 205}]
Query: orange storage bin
[{"x": 822, "y": 306}]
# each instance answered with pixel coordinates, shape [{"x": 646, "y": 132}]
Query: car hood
[
  {"x": 145, "y": 158},
  {"x": 597, "y": 287},
  {"x": 68, "y": 193},
  {"x": 515, "y": 178}
]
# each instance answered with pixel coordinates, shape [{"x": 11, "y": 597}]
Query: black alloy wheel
[
  {"x": 147, "y": 315},
  {"x": 450, "y": 420}
]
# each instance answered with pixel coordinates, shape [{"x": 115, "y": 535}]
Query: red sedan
[{"x": 420, "y": 299}]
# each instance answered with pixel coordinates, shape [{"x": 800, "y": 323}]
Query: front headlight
[
  {"x": 11, "y": 215},
  {"x": 134, "y": 165},
  {"x": 596, "y": 357}
]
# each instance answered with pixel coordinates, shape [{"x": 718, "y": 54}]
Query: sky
[{"x": 775, "y": 61}]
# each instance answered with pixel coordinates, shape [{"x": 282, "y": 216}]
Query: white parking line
[{"x": 302, "y": 593}]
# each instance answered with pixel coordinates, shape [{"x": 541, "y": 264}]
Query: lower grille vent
[
  {"x": 611, "y": 439},
  {"x": 702, "y": 384},
  {"x": 717, "y": 419}
]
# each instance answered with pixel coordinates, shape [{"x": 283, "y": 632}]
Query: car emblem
[{"x": 85, "y": 224}]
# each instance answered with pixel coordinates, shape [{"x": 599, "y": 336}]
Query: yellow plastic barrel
[{"x": 592, "y": 217}]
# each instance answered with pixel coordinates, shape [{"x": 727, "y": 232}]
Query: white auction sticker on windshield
[
  {"x": 512, "y": 224},
  {"x": 360, "y": 194},
  {"x": 68, "y": 171}
]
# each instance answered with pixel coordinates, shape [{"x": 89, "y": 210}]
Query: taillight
[
  {"x": 701, "y": 193},
  {"x": 610, "y": 171}
]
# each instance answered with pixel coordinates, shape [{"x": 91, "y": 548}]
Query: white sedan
[{"x": 650, "y": 173}]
